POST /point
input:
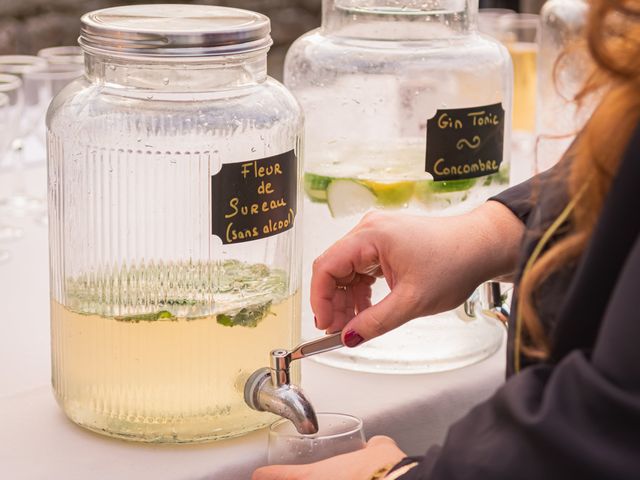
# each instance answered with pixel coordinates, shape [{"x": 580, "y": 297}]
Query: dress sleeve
[
  {"x": 521, "y": 198},
  {"x": 577, "y": 419},
  {"x": 517, "y": 199}
]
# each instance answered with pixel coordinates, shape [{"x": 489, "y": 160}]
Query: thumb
[
  {"x": 381, "y": 440},
  {"x": 279, "y": 472},
  {"x": 392, "y": 311}
]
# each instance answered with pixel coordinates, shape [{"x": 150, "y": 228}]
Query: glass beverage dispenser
[
  {"x": 174, "y": 182},
  {"x": 406, "y": 109}
]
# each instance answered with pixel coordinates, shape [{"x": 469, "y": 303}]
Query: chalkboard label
[
  {"x": 465, "y": 142},
  {"x": 253, "y": 200}
]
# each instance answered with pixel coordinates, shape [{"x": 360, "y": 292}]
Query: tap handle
[
  {"x": 319, "y": 345},
  {"x": 281, "y": 359}
]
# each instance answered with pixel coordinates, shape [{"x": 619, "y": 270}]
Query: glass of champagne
[
  {"x": 519, "y": 32},
  {"x": 337, "y": 434}
]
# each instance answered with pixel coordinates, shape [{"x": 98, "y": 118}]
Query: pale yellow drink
[
  {"x": 161, "y": 378},
  {"x": 524, "y": 85}
]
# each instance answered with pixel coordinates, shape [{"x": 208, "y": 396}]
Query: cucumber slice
[
  {"x": 499, "y": 178},
  {"x": 447, "y": 186},
  {"x": 346, "y": 197},
  {"x": 315, "y": 186}
]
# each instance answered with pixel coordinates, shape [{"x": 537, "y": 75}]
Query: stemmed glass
[
  {"x": 43, "y": 85},
  {"x": 6, "y": 231},
  {"x": 337, "y": 434},
  {"x": 489, "y": 18},
  {"x": 20, "y": 65},
  {"x": 519, "y": 32},
  {"x": 10, "y": 109},
  {"x": 67, "y": 55}
]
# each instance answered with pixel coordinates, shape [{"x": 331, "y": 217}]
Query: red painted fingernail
[
  {"x": 352, "y": 339},
  {"x": 315, "y": 320}
]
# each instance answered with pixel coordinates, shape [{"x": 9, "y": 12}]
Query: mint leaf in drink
[
  {"x": 224, "y": 319},
  {"x": 245, "y": 317}
]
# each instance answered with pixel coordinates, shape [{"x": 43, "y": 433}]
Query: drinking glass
[
  {"x": 11, "y": 89},
  {"x": 67, "y": 55},
  {"x": 10, "y": 109},
  {"x": 337, "y": 434},
  {"x": 4, "y": 110},
  {"x": 20, "y": 65},
  {"x": 489, "y": 18},
  {"x": 43, "y": 85},
  {"x": 519, "y": 33}
]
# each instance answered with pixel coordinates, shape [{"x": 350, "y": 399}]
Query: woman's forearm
[{"x": 499, "y": 236}]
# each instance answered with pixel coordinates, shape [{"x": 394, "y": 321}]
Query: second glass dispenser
[{"x": 407, "y": 108}]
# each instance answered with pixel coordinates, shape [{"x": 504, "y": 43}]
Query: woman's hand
[
  {"x": 431, "y": 265},
  {"x": 359, "y": 465}
]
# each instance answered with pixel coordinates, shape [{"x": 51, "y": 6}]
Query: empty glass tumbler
[
  {"x": 337, "y": 434},
  {"x": 174, "y": 193},
  {"x": 407, "y": 109}
]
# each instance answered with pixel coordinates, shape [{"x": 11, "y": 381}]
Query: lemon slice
[
  {"x": 347, "y": 197},
  {"x": 422, "y": 191},
  {"x": 392, "y": 194}
]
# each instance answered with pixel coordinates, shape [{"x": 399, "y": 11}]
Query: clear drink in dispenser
[{"x": 407, "y": 109}]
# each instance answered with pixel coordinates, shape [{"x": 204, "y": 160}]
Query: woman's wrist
[
  {"x": 394, "y": 471},
  {"x": 497, "y": 236}
]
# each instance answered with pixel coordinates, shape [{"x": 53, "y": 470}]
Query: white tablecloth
[{"x": 38, "y": 442}]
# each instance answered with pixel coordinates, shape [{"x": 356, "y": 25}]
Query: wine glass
[
  {"x": 519, "y": 33},
  {"x": 10, "y": 109},
  {"x": 20, "y": 65},
  {"x": 11, "y": 89},
  {"x": 489, "y": 18},
  {"x": 43, "y": 85},
  {"x": 4, "y": 114},
  {"x": 337, "y": 434},
  {"x": 67, "y": 55}
]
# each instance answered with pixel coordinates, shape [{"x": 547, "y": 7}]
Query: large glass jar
[
  {"x": 406, "y": 109},
  {"x": 174, "y": 182}
]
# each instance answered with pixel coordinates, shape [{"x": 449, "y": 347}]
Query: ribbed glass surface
[{"x": 155, "y": 323}]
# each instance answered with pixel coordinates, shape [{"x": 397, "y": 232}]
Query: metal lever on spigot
[
  {"x": 269, "y": 389},
  {"x": 281, "y": 359}
]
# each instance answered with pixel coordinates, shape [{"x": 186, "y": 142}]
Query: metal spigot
[
  {"x": 269, "y": 389},
  {"x": 489, "y": 300}
]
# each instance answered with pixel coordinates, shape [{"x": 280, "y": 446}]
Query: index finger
[{"x": 339, "y": 265}]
